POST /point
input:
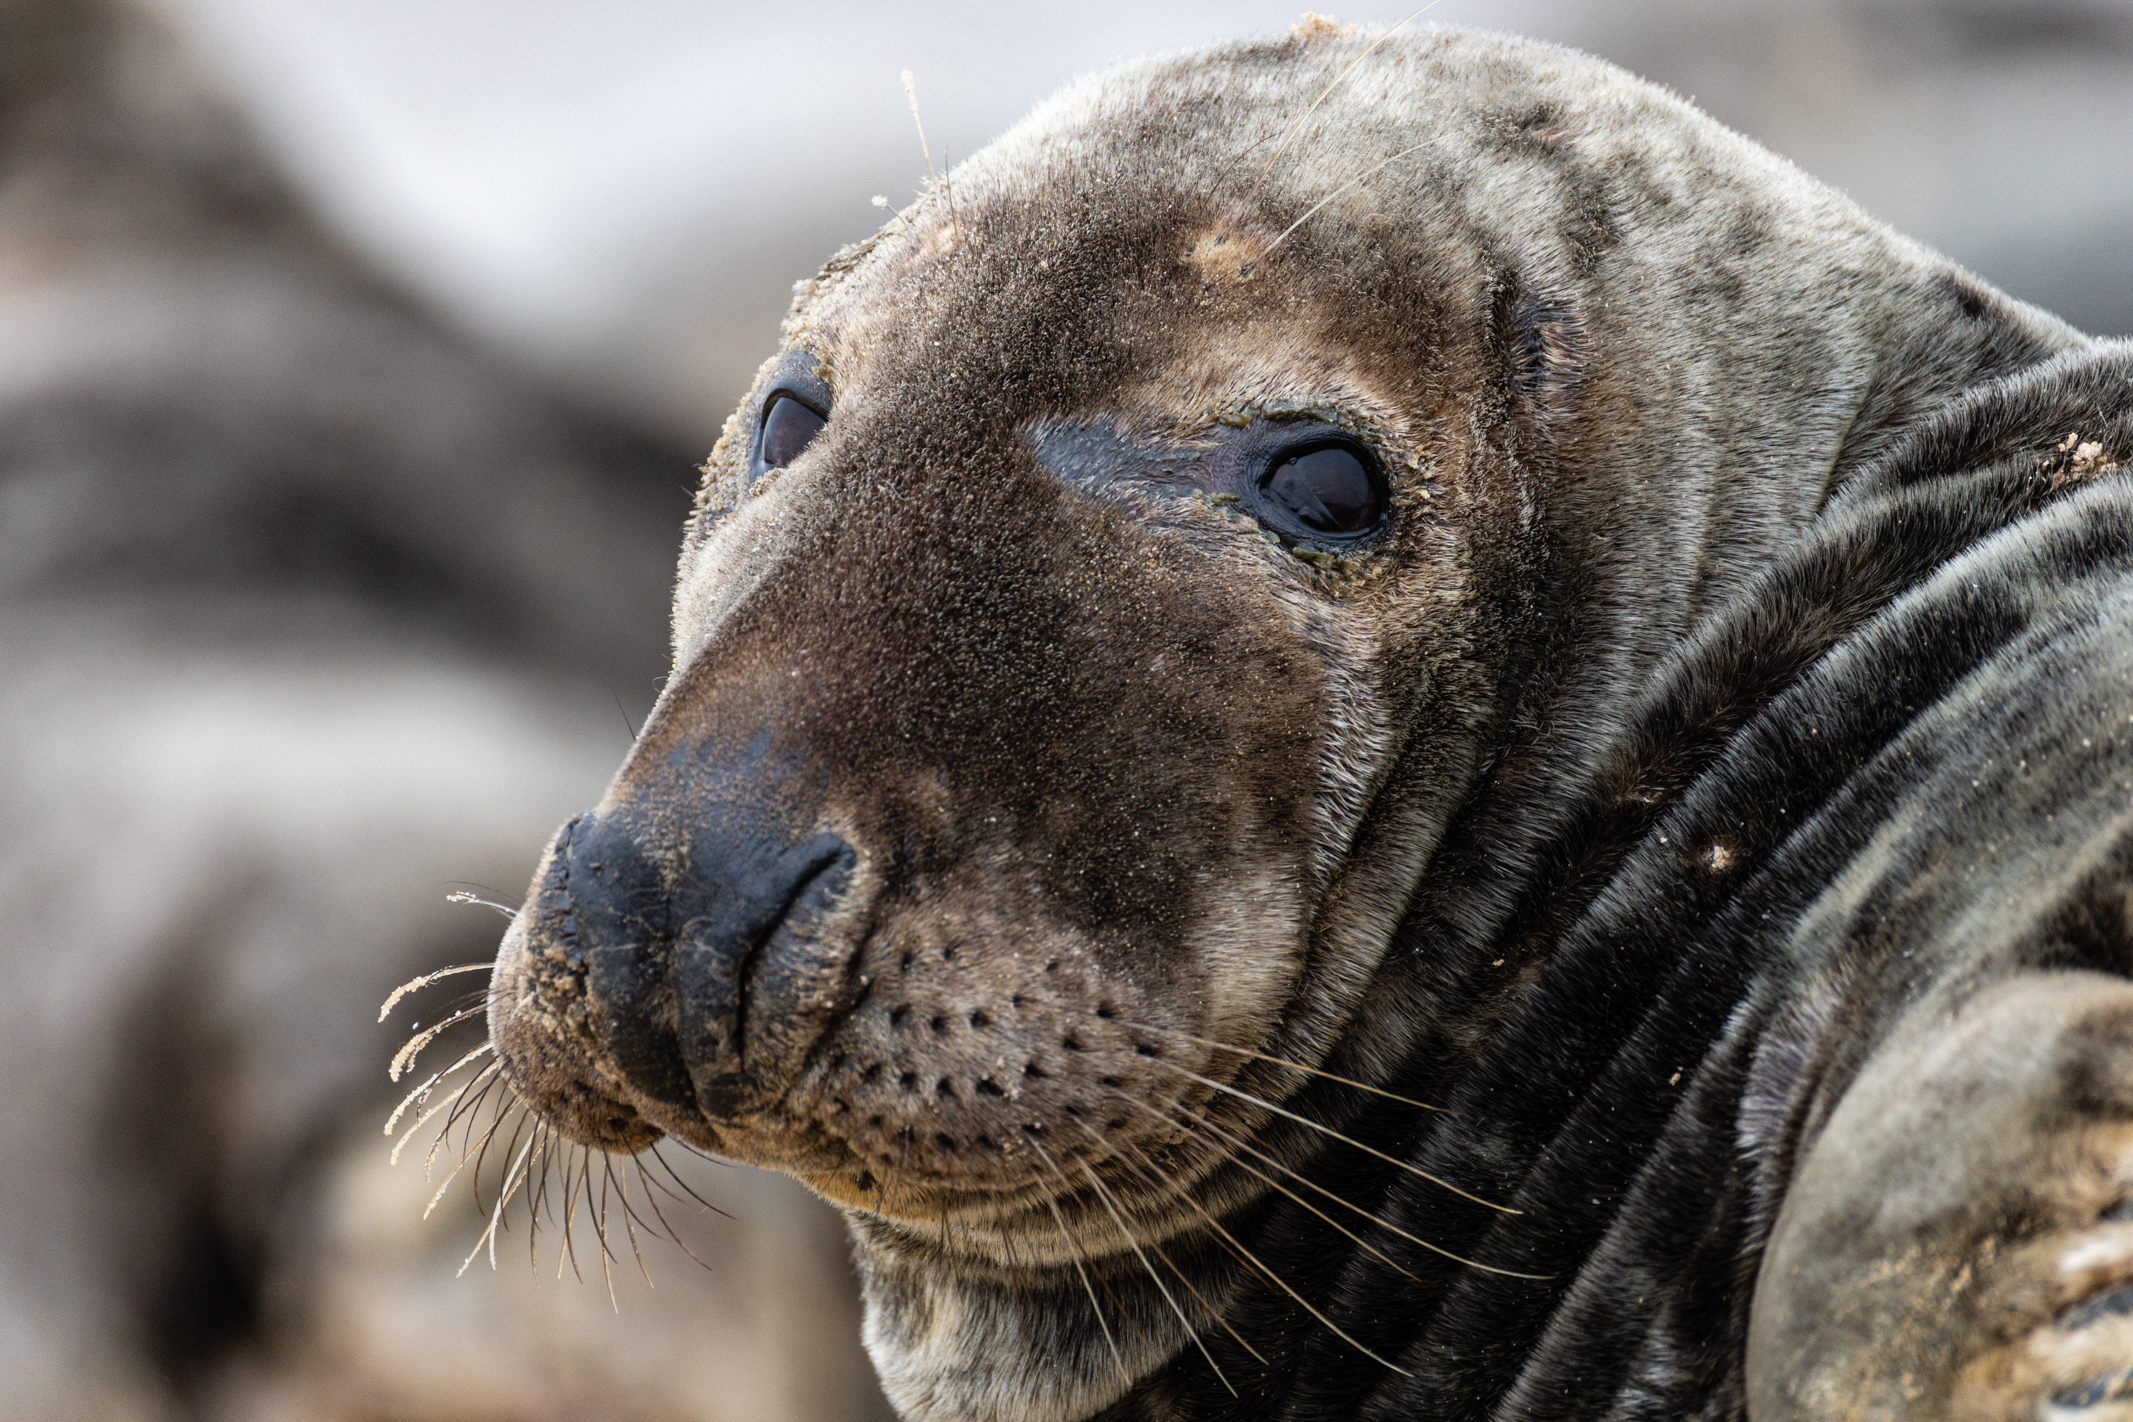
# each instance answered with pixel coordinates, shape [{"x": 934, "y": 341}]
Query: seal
[{"x": 1375, "y": 725}]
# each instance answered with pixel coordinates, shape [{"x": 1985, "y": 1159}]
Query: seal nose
[
  {"x": 755, "y": 979},
  {"x": 704, "y": 987}
]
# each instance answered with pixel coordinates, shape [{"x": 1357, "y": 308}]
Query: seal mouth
[{"x": 785, "y": 1009}]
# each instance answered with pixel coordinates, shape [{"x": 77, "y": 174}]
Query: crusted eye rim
[{"x": 1273, "y": 500}]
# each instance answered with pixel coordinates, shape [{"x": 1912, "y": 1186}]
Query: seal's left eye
[
  {"x": 1327, "y": 488},
  {"x": 788, "y": 428}
]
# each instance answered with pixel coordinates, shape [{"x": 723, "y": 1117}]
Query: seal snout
[
  {"x": 646, "y": 983},
  {"x": 756, "y": 977}
]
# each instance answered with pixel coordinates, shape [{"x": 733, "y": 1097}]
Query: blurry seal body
[{"x": 1237, "y": 619}]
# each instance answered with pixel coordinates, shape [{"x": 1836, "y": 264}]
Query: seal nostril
[{"x": 980, "y": 1020}]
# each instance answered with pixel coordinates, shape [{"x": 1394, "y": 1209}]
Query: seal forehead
[{"x": 1160, "y": 232}]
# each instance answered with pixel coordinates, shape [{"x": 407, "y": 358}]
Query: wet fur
[{"x": 1623, "y": 800}]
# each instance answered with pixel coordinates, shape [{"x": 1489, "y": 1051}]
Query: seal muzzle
[{"x": 674, "y": 980}]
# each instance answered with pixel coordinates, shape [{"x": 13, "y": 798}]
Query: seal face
[{"x": 1313, "y": 578}]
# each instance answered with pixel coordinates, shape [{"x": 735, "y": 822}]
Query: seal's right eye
[
  {"x": 1327, "y": 486},
  {"x": 789, "y": 426}
]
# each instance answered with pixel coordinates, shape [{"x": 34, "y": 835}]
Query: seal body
[{"x": 1344, "y": 724}]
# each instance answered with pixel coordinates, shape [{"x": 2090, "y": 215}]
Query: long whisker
[
  {"x": 629, "y": 1217},
  {"x": 421, "y": 1093},
  {"x": 1272, "y": 1183},
  {"x": 471, "y": 1109},
  {"x": 668, "y": 1166},
  {"x": 1268, "y": 250},
  {"x": 652, "y": 1199},
  {"x": 404, "y": 1059},
  {"x": 570, "y": 1216},
  {"x": 414, "y": 1128},
  {"x": 660, "y": 1185},
  {"x": 911, "y": 93},
  {"x": 1118, "y": 1219},
  {"x": 1263, "y": 1057},
  {"x": 539, "y": 1207},
  {"x": 525, "y": 1116},
  {"x": 1148, "y": 1171},
  {"x": 596, "y": 1214},
  {"x": 1257, "y": 1263},
  {"x": 544, "y": 1155},
  {"x": 430, "y": 1157},
  {"x": 1239, "y": 1142},
  {"x": 1326, "y": 1130},
  {"x": 450, "y": 1176},
  {"x": 462, "y": 896},
  {"x": 607, "y": 1255},
  {"x": 468, "y": 999},
  {"x": 392, "y": 999},
  {"x": 1079, "y": 1268},
  {"x": 1324, "y": 95},
  {"x": 1222, "y": 173},
  {"x": 488, "y": 1236}
]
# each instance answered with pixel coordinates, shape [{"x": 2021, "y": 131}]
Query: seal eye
[
  {"x": 788, "y": 428},
  {"x": 1328, "y": 488}
]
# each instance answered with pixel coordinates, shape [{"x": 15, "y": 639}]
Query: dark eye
[
  {"x": 788, "y": 428},
  {"x": 1328, "y": 488}
]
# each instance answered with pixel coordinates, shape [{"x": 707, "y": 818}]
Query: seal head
[{"x": 1141, "y": 555}]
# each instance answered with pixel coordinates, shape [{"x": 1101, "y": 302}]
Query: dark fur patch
[{"x": 1544, "y": 347}]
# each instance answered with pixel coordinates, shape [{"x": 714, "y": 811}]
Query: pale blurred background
[
  {"x": 625, "y": 191},
  {"x": 354, "y": 355}
]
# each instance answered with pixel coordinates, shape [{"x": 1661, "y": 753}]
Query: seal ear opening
[{"x": 1543, "y": 343}]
